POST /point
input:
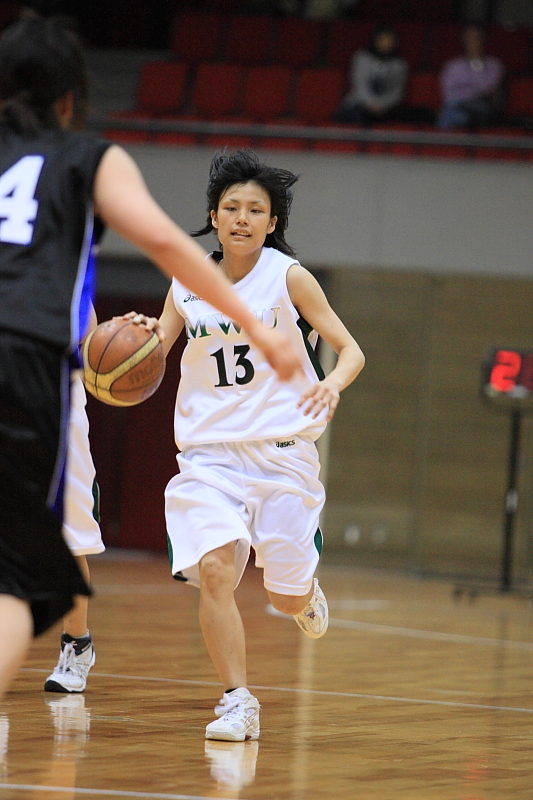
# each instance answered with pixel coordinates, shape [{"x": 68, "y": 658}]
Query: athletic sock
[{"x": 80, "y": 642}]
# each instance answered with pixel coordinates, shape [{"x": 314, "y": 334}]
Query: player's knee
[{"x": 216, "y": 571}]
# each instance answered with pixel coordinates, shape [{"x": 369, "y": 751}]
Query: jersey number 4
[
  {"x": 18, "y": 206},
  {"x": 240, "y": 350}
]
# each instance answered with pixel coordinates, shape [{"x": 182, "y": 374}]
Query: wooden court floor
[{"x": 410, "y": 696}]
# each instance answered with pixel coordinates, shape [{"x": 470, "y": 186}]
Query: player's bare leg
[
  {"x": 221, "y": 623},
  {"x": 290, "y": 603},
  {"x": 75, "y": 622},
  {"x": 16, "y": 631},
  {"x": 310, "y": 611},
  {"x": 220, "y": 619},
  {"x": 77, "y": 653}
]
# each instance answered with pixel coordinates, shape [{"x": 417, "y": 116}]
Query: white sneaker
[
  {"x": 70, "y": 674},
  {"x": 233, "y": 764},
  {"x": 239, "y": 717},
  {"x": 313, "y": 620}
]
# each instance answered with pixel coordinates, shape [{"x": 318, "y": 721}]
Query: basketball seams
[
  {"x": 105, "y": 380},
  {"x": 108, "y": 345},
  {"x": 101, "y": 384}
]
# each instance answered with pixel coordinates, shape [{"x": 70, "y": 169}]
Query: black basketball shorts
[{"x": 35, "y": 562}]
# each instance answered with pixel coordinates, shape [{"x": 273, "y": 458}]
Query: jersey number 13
[{"x": 239, "y": 351}]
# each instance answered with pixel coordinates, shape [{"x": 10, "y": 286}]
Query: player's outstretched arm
[
  {"x": 312, "y": 304},
  {"x": 125, "y": 204}
]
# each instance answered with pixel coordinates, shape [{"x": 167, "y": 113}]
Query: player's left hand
[
  {"x": 150, "y": 323},
  {"x": 321, "y": 394}
]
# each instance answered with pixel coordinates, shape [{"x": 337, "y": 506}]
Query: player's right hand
[
  {"x": 278, "y": 351},
  {"x": 150, "y": 323}
]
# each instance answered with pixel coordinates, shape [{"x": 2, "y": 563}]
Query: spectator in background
[
  {"x": 378, "y": 78},
  {"x": 471, "y": 85}
]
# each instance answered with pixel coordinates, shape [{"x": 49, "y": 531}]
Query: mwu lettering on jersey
[{"x": 269, "y": 316}]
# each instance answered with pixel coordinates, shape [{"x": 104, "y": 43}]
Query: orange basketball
[{"x": 123, "y": 363}]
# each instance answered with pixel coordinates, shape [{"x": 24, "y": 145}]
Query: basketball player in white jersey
[{"x": 248, "y": 462}]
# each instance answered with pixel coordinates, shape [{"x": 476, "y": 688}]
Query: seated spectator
[
  {"x": 378, "y": 78},
  {"x": 471, "y": 85}
]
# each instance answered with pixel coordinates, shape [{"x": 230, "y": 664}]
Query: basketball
[{"x": 123, "y": 363}]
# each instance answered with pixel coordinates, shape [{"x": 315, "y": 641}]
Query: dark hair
[
  {"x": 40, "y": 61},
  {"x": 242, "y": 167}
]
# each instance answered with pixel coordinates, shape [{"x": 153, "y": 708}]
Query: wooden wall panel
[{"x": 418, "y": 464}]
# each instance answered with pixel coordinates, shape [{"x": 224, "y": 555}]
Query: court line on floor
[
  {"x": 104, "y": 792},
  {"x": 415, "y": 633},
  {"x": 317, "y": 692}
]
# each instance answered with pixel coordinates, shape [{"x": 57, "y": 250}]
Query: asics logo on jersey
[
  {"x": 286, "y": 444},
  {"x": 191, "y": 297}
]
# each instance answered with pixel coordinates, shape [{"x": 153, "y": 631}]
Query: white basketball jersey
[{"x": 228, "y": 391}]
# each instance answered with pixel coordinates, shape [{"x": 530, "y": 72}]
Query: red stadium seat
[
  {"x": 162, "y": 87},
  {"x": 512, "y": 47},
  {"x": 344, "y": 38},
  {"x": 266, "y": 92},
  {"x": 412, "y": 39},
  {"x": 248, "y": 39},
  {"x": 217, "y": 90},
  {"x": 196, "y": 35},
  {"x": 318, "y": 93},
  {"x": 443, "y": 43},
  {"x": 423, "y": 90},
  {"x": 299, "y": 42},
  {"x": 520, "y": 97}
]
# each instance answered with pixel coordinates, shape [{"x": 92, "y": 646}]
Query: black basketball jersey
[{"x": 46, "y": 232}]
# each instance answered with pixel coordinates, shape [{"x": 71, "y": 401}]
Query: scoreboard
[{"x": 508, "y": 377}]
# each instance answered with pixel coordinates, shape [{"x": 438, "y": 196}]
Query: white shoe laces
[
  {"x": 227, "y": 705},
  {"x": 66, "y": 658},
  {"x": 70, "y": 662}
]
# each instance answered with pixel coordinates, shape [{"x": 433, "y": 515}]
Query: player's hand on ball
[
  {"x": 277, "y": 349},
  {"x": 321, "y": 394},
  {"x": 150, "y": 323}
]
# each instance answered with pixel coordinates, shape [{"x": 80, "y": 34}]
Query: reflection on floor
[{"x": 410, "y": 696}]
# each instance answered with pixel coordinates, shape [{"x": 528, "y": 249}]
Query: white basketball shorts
[
  {"x": 80, "y": 528},
  {"x": 264, "y": 494}
]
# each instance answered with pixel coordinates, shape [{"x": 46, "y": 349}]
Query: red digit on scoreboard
[{"x": 507, "y": 364}]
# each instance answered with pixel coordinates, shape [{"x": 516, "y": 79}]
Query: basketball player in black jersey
[{"x": 52, "y": 181}]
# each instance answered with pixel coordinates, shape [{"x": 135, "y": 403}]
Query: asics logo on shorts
[
  {"x": 190, "y": 298},
  {"x": 285, "y": 444}
]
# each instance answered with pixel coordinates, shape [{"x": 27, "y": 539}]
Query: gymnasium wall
[
  {"x": 418, "y": 466},
  {"x": 434, "y": 215}
]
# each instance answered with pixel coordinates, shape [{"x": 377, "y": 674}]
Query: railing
[{"x": 313, "y": 133}]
